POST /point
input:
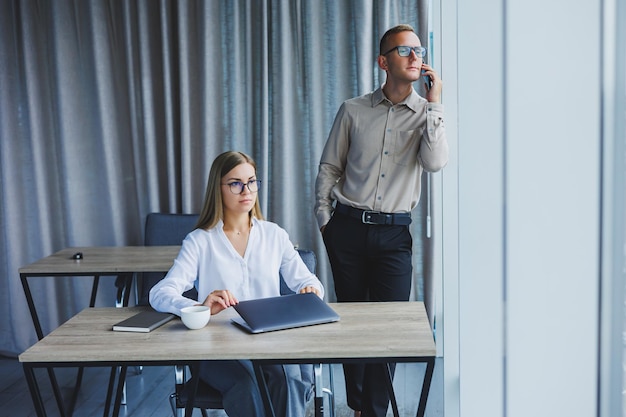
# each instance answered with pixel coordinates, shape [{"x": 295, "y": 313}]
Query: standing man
[{"x": 371, "y": 169}]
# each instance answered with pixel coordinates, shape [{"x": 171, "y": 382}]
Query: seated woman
[{"x": 236, "y": 255}]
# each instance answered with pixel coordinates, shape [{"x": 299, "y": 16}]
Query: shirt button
[
  {"x": 379, "y": 198},
  {"x": 382, "y": 175},
  {"x": 388, "y": 130},
  {"x": 386, "y": 152}
]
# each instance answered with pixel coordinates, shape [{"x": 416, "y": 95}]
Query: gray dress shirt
[{"x": 376, "y": 152}]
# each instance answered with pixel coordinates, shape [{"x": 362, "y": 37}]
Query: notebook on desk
[
  {"x": 283, "y": 312},
  {"x": 143, "y": 322}
]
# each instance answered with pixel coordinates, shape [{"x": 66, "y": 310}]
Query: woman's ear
[{"x": 382, "y": 62}]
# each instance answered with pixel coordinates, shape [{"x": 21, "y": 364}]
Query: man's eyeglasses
[
  {"x": 236, "y": 187},
  {"x": 420, "y": 51}
]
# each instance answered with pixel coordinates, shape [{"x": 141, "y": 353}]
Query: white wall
[
  {"x": 523, "y": 334},
  {"x": 553, "y": 202}
]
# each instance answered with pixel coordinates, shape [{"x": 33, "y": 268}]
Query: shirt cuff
[{"x": 434, "y": 107}]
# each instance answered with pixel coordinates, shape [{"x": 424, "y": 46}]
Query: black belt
[{"x": 374, "y": 217}]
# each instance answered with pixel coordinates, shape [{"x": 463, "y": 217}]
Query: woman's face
[{"x": 235, "y": 200}]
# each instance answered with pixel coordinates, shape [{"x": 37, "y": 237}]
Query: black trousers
[{"x": 369, "y": 263}]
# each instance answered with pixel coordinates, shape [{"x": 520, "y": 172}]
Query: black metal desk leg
[
  {"x": 31, "y": 306},
  {"x": 39, "y": 333},
  {"x": 111, "y": 387},
  {"x": 428, "y": 376},
  {"x": 120, "y": 388},
  {"x": 79, "y": 380},
  {"x": 57, "y": 392},
  {"x": 392, "y": 394},
  {"x": 94, "y": 290},
  {"x": 195, "y": 377},
  {"x": 35, "y": 393},
  {"x": 127, "y": 288},
  {"x": 265, "y": 393}
]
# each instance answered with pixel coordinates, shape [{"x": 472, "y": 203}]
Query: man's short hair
[{"x": 396, "y": 29}]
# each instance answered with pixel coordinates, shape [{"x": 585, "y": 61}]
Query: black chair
[
  {"x": 208, "y": 398},
  {"x": 161, "y": 229},
  {"x": 164, "y": 230}
]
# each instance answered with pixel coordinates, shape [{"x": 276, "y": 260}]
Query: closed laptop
[{"x": 283, "y": 312}]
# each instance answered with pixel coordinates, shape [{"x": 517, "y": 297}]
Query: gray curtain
[{"x": 113, "y": 109}]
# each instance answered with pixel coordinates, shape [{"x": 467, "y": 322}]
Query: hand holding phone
[
  {"x": 427, "y": 80},
  {"x": 432, "y": 84}
]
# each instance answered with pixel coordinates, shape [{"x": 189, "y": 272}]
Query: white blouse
[{"x": 208, "y": 259}]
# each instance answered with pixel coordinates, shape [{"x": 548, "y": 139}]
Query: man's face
[{"x": 399, "y": 68}]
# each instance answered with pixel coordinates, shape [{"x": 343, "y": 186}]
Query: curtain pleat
[{"x": 110, "y": 110}]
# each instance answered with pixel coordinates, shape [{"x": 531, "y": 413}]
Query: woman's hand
[
  {"x": 310, "y": 288},
  {"x": 220, "y": 300}
]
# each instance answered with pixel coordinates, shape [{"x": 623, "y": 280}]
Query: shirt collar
[{"x": 412, "y": 101}]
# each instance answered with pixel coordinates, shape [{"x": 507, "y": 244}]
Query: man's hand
[{"x": 433, "y": 94}]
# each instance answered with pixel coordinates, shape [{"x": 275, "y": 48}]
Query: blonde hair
[
  {"x": 213, "y": 206},
  {"x": 396, "y": 29}
]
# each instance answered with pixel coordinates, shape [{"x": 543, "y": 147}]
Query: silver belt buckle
[{"x": 364, "y": 214}]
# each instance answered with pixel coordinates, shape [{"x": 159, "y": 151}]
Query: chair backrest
[
  {"x": 164, "y": 229},
  {"x": 310, "y": 260}
]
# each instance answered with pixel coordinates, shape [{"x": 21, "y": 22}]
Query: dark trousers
[{"x": 369, "y": 263}]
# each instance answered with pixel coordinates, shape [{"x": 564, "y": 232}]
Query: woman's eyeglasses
[{"x": 236, "y": 187}]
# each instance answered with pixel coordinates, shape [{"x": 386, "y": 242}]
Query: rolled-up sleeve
[
  {"x": 331, "y": 167},
  {"x": 434, "y": 156}
]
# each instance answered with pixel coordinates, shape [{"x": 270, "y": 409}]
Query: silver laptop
[{"x": 283, "y": 312}]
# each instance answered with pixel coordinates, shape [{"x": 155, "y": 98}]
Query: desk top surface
[
  {"x": 103, "y": 260},
  {"x": 394, "y": 330}
]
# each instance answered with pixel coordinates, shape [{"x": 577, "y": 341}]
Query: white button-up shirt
[{"x": 209, "y": 257}]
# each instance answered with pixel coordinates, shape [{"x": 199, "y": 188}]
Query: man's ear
[{"x": 382, "y": 62}]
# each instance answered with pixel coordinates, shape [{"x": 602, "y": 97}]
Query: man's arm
[
  {"x": 327, "y": 177},
  {"x": 331, "y": 168},
  {"x": 433, "y": 153}
]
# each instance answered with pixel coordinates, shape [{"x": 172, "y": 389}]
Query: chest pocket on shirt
[{"x": 406, "y": 145}]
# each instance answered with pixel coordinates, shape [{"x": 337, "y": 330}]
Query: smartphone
[{"x": 427, "y": 81}]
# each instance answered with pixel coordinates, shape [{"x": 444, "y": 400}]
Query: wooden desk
[
  {"x": 372, "y": 332},
  {"x": 96, "y": 262}
]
